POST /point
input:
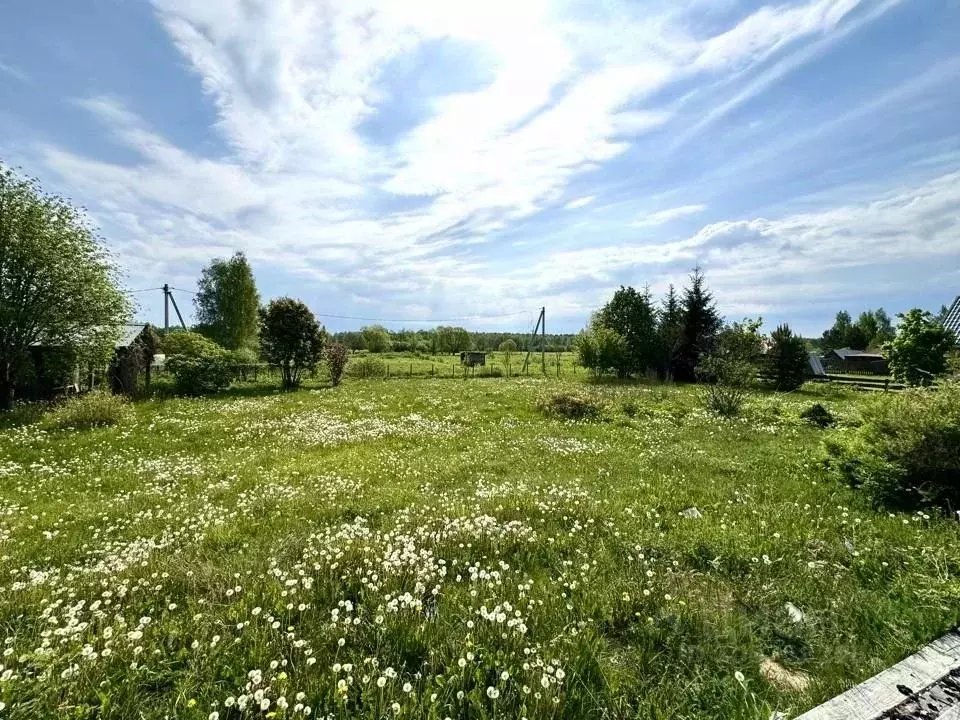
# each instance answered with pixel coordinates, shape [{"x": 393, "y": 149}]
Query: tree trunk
[{"x": 6, "y": 387}]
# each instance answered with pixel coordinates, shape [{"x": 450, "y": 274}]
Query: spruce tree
[{"x": 699, "y": 328}]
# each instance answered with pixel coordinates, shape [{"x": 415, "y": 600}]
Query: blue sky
[{"x": 428, "y": 160}]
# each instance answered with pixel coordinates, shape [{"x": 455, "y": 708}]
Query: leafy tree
[
  {"x": 884, "y": 328},
  {"x": 918, "y": 353},
  {"x": 376, "y": 338},
  {"x": 290, "y": 338},
  {"x": 631, "y": 315},
  {"x": 337, "y": 356},
  {"x": 227, "y": 302},
  {"x": 600, "y": 349},
  {"x": 731, "y": 368},
  {"x": 452, "y": 339},
  {"x": 787, "y": 359},
  {"x": 837, "y": 335},
  {"x": 507, "y": 348},
  {"x": 58, "y": 286},
  {"x": 199, "y": 366},
  {"x": 699, "y": 329}
]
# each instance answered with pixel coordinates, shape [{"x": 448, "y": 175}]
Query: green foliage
[
  {"x": 187, "y": 343},
  {"x": 631, "y": 315},
  {"x": 818, "y": 415},
  {"x": 290, "y": 339},
  {"x": 227, "y": 302},
  {"x": 337, "y": 357},
  {"x": 201, "y": 374},
  {"x": 600, "y": 349},
  {"x": 452, "y": 340},
  {"x": 871, "y": 330},
  {"x": 787, "y": 360},
  {"x": 571, "y": 405},
  {"x": 95, "y": 409},
  {"x": 906, "y": 451},
  {"x": 918, "y": 353},
  {"x": 376, "y": 339},
  {"x": 507, "y": 348},
  {"x": 58, "y": 286},
  {"x": 732, "y": 368},
  {"x": 700, "y": 326}
]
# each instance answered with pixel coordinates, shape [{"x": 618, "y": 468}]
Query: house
[
  {"x": 51, "y": 370},
  {"x": 860, "y": 362}
]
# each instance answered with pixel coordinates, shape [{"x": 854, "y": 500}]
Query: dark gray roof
[
  {"x": 845, "y": 353},
  {"x": 128, "y": 334},
  {"x": 952, "y": 320},
  {"x": 816, "y": 365}
]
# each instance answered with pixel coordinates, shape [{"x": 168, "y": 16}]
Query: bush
[
  {"x": 291, "y": 339},
  {"x": 95, "y": 409},
  {"x": 337, "y": 358},
  {"x": 906, "y": 452},
  {"x": 571, "y": 406},
  {"x": 201, "y": 375},
  {"x": 723, "y": 399},
  {"x": 918, "y": 353},
  {"x": 818, "y": 415}
]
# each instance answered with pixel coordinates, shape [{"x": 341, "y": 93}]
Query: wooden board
[{"x": 930, "y": 676}]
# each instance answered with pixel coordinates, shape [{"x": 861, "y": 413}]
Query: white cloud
[
  {"x": 665, "y": 216},
  {"x": 303, "y": 188},
  {"x": 579, "y": 202},
  {"x": 14, "y": 72}
]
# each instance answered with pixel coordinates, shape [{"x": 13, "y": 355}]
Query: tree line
[{"x": 444, "y": 340}]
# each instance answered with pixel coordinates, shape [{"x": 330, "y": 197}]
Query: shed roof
[
  {"x": 129, "y": 333},
  {"x": 845, "y": 353}
]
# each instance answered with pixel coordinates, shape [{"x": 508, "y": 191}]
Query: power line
[{"x": 134, "y": 292}]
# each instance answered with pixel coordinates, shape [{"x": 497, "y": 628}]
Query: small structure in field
[
  {"x": 848, "y": 360},
  {"x": 815, "y": 366},
  {"x": 472, "y": 359}
]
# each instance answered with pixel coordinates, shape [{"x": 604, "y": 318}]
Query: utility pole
[
  {"x": 166, "y": 307},
  {"x": 543, "y": 341}
]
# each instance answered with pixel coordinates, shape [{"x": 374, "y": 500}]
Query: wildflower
[
  {"x": 213, "y": 716},
  {"x": 381, "y": 681},
  {"x": 493, "y": 693}
]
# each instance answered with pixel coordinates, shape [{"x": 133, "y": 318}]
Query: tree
[
  {"x": 507, "y": 349},
  {"x": 58, "y": 286},
  {"x": 699, "y": 328},
  {"x": 731, "y": 368},
  {"x": 227, "y": 303},
  {"x": 787, "y": 359},
  {"x": 837, "y": 335},
  {"x": 337, "y": 358},
  {"x": 290, "y": 339},
  {"x": 452, "y": 339},
  {"x": 600, "y": 349},
  {"x": 669, "y": 326},
  {"x": 148, "y": 345},
  {"x": 376, "y": 339},
  {"x": 631, "y": 315},
  {"x": 918, "y": 353}
]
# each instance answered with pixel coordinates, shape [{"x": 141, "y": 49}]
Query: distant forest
[{"x": 445, "y": 340}]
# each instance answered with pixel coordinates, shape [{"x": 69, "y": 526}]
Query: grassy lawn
[{"x": 431, "y": 549}]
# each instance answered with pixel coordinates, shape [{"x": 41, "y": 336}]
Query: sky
[{"x": 434, "y": 161}]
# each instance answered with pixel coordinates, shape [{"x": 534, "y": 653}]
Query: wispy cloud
[
  {"x": 14, "y": 72},
  {"x": 665, "y": 216},
  {"x": 579, "y": 202}
]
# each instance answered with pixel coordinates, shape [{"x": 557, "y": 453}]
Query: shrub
[
  {"x": 201, "y": 375},
  {"x": 906, "y": 452},
  {"x": 290, "y": 339},
  {"x": 571, "y": 405},
  {"x": 95, "y": 409},
  {"x": 184, "y": 342},
  {"x": 818, "y": 415},
  {"x": 337, "y": 358},
  {"x": 918, "y": 353},
  {"x": 723, "y": 399}
]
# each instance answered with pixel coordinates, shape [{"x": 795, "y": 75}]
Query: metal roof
[
  {"x": 952, "y": 320},
  {"x": 816, "y": 365},
  {"x": 129, "y": 334},
  {"x": 845, "y": 353}
]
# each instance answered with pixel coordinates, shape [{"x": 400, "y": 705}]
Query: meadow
[{"x": 431, "y": 549}]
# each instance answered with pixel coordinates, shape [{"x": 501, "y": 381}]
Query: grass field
[{"x": 439, "y": 549}]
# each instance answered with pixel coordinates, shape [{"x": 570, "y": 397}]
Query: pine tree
[
  {"x": 787, "y": 359},
  {"x": 699, "y": 328},
  {"x": 669, "y": 325}
]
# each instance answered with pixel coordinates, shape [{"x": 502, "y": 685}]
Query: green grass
[{"x": 446, "y": 537}]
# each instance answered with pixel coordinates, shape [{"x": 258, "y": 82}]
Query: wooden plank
[{"x": 883, "y": 692}]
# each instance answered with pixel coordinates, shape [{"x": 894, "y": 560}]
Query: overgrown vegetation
[
  {"x": 918, "y": 353},
  {"x": 92, "y": 410},
  {"x": 291, "y": 339},
  {"x": 571, "y": 405},
  {"x": 199, "y": 366},
  {"x": 906, "y": 450},
  {"x": 380, "y": 540},
  {"x": 337, "y": 357},
  {"x": 818, "y": 415}
]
